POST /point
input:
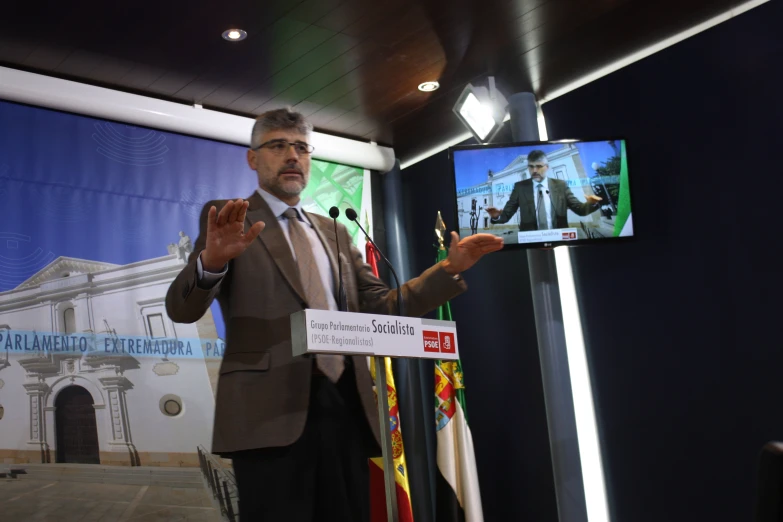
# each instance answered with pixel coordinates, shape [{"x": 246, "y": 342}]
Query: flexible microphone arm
[
  {"x": 538, "y": 204},
  {"x": 351, "y": 214},
  {"x": 334, "y": 212}
]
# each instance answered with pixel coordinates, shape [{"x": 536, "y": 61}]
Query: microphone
[
  {"x": 334, "y": 213},
  {"x": 351, "y": 214}
]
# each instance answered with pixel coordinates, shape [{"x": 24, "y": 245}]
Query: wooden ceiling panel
[
  {"x": 338, "y": 88},
  {"x": 198, "y": 89},
  {"x": 350, "y": 65},
  {"x": 142, "y": 76},
  {"x": 311, "y": 11},
  {"x": 81, "y": 63},
  {"x": 343, "y": 16},
  {"x": 47, "y": 57},
  {"x": 361, "y": 128},
  {"x": 387, "y": 67},
  {"x": 322, "y": 76},
  {"x": 346, "y": 120},
  {"x": 305, "y": 108},
  {"x": 111, "y": 71},
  {"x": 295, "y": 70},
  {"x": 285, "y": 29},
  {"x": 383, "y": 14},
  {"x": 171, "y": 83},
  {"x": 225, "y": 95},
  {"x": 13, "y": 50}
]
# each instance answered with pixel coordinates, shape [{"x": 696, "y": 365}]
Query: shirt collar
[
  {"x": 544, "y": 182},
  {"x": 278, "y": 207}
]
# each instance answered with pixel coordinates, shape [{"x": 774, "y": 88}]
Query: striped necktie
[
  {"x": 541, "y": 212},
  {"x": 331, "y": 365}
]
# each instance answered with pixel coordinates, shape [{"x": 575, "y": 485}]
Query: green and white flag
[
  {"x": 458, "y": 497},
  {"x": 623, "y": 225}
]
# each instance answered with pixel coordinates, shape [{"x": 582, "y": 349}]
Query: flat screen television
[{"x": 544, "y": 194}]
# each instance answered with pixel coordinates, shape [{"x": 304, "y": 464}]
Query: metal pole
[
  {"x": 413, "y": 393},
  {"x": 386, "y": 444},
  {"x": 561, "y": 420}
]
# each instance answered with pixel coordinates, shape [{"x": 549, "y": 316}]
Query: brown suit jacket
[{"x": 263, "y": 391}]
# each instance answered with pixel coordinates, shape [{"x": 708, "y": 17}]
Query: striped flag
[
  {"x": 377, "y": 486},
  {"x": 458, "y": 497}
]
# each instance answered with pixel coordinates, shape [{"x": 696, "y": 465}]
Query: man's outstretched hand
[
  {"x": 226, "y": 237},
  {"x": 493, "y": 212},
  {"x": 464, "y": 253}
]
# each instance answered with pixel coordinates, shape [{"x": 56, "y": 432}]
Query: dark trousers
[{"x": 324, "y": 475}]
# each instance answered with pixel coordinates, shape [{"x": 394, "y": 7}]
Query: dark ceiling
[{"x": 352, "y": 66}]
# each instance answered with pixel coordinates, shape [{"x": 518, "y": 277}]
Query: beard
[{"x": 286, "y": 187}]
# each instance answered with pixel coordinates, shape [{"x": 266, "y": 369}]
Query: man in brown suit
[{"x": 299, "y": 430}]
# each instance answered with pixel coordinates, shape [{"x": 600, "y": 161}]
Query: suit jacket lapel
[
  {"x": 526, "y": 189},
  {"x": 273, "y": 238},
  {"x": 557, "y": 195}
]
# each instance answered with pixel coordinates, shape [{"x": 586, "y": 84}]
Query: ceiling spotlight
[
  {"x": 481, "y": 110},
  {"x": 429, "y": 86},
  {"x": 234, "y": 35}
]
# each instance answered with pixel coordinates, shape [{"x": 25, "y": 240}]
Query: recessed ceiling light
[
  {"x": 234, "y": 35},
  {"x": 429, "y": 86}
]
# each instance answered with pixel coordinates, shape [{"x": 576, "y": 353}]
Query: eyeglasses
[
  {"x": 540, "y": 166},
  {"x": 280, "y": 147}
]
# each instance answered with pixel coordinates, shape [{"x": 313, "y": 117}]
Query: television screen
[{"x": 545, "y": 193}]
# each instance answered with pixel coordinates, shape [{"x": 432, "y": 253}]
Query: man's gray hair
[
  {"x": 279, "y": 119},
  {"x": 537, "y": 155}
]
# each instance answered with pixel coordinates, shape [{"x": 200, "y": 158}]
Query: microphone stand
[
  {"x": 381, "y": 387},
  {"x": 342, "y": 304}
]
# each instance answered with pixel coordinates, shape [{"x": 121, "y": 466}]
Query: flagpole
[
  {"x": 392, "y": 514},
  {"x": 384, "y": 415}
]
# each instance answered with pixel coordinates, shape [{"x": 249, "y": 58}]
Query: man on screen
[
  {"x": 543, "y": 202},
  {"x": 299, "y": 430}
]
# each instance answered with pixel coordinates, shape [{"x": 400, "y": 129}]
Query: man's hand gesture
[
  {"x": 226, "y": 237},
  {"x": 464, "y": 253}
]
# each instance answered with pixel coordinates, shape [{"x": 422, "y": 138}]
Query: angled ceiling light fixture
[{"x": 482, "y": 110}]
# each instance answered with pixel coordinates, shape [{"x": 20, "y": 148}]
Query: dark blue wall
[
  {"x": 499, "y": 354},
  {"x": 681, "y": 325}
]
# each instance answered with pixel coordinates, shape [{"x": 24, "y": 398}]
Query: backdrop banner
[{"x": 98, "y": 219}]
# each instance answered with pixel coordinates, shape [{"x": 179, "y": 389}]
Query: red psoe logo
[
  {"x": 431, "y": 341},
  {"x": 447, "y": 344}
]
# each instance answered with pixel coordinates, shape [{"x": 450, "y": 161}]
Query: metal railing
[{"x": 221, "y": 482}]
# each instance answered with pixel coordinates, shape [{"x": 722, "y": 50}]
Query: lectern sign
[{"x": 325, "y": 331}]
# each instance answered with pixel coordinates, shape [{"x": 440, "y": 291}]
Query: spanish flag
[{"x": 377, "y": 486}]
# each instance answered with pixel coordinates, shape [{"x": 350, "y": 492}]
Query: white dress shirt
[
  {"x": 209, "y": 279},
  {"x": 547, "y": 202}
]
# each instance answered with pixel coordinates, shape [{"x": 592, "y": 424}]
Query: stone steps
[{"x": 97, "y": 474}]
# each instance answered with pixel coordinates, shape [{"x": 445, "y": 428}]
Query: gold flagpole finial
[{"x": 440, "y": 231}]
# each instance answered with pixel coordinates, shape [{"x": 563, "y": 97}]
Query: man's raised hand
[
  {"x": 464, "y": 253},
  {"x": 226, "y": 237}
]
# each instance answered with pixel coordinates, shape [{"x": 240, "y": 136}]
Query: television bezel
[{"x": 546, "y": 244}]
